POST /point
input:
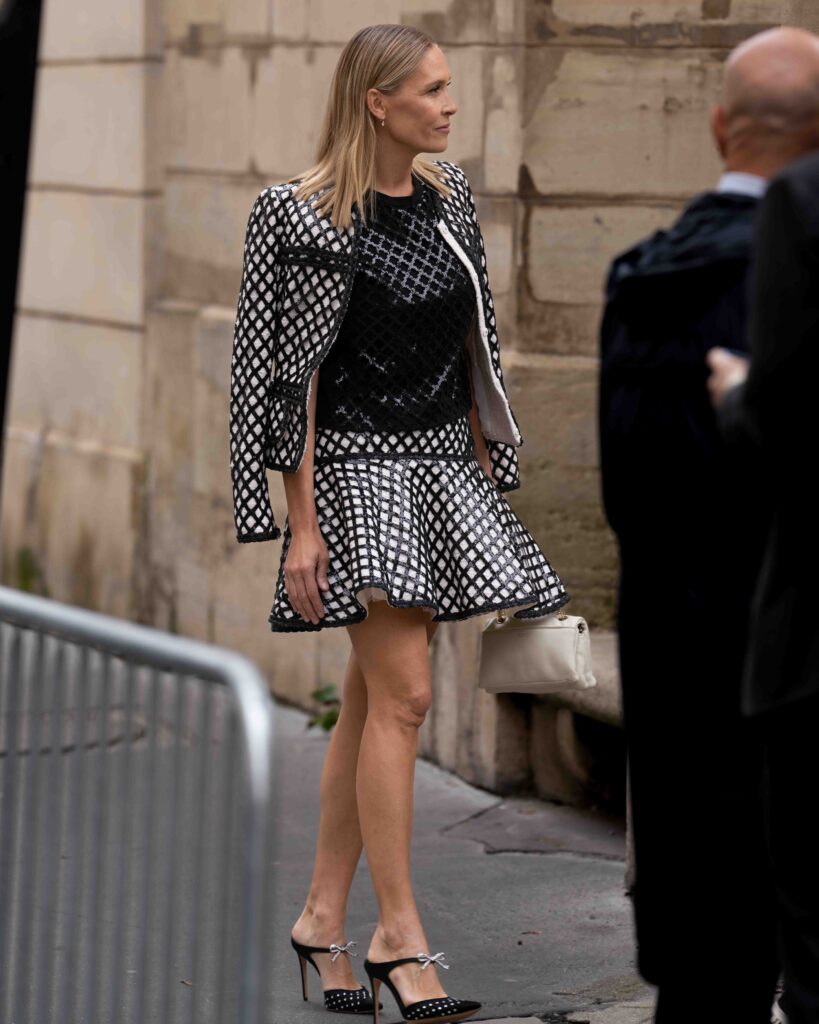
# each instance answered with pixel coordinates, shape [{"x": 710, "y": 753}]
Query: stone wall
[
  {"x": 73, "y": 495},
  {"x": 582, "y": 126}
]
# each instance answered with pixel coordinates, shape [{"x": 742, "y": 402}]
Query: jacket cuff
[
  {"x": 505, "y": 487},
  {"x": 249, "y": 538}
]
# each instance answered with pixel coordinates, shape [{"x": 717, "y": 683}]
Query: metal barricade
[{"x": 136, "y": 773}]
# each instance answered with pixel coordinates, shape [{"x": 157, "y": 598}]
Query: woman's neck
[{"x": 393, "y": 172}]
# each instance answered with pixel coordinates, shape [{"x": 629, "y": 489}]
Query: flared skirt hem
[
  {"x": 532, "y": 609},
  {"x": 414, "y": 520}
]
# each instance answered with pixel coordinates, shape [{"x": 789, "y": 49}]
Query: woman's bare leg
[
  {"x": 391, "y": 645},
  {"x": 339, "y": 843}
]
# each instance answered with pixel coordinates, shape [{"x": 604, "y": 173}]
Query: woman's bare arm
[
  {"x": 305, "y": 568},
  {"x": 481, "y": 454}
]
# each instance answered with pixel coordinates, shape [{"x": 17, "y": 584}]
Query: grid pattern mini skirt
[{"x": 412, "y": 518}]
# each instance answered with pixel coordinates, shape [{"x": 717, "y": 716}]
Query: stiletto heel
[
  {"x": 375, "y": 984},
  {"x": 303, "y": 966},
  {"x": 337, "y": 1000},
  {"x": 432, "y": 1011}
]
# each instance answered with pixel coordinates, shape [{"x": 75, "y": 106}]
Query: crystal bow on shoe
[
  {"x": 427, "y": 960},
  {"x": 337, "y": 950}
]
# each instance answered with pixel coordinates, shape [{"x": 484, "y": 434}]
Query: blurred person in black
[
  {"x": 775, "y": 409},
  {"x": 690, "y": 522}
]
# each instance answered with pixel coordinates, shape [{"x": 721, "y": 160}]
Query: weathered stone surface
[
  {"x": 569, "y": 248},
  {"x": 189, "y": 17},
  {"x": 100, "y": 28},
  {"x": 72, "y": 511},
  {"x": 73, "y": 144},
  {"x": 802, "y": 13},
  {"x": 289, "y": 19},
  {"x": 249, "y": 17},
  {"x": 567, "y": 253},
  {"x": 448, "y": 21},
  {"x": 659, "y": 12},
  {"x": 559, "y": 499},
  {"x": 76, "y": 378},
  {"x": 213, "y": 341},
  {"x": 658, "y": 143},
  {"x": 498, "y": 219},
  {"x": 83, "y": 254},
  {"x": 203, "y": 237},
  {"x": 208, "y": 110},
  {"x": 559, "y": 761},
  {"x": 557, "y": 328},
  {"x": 712, "y": 23},
  {"x": 284, "y": 135},
  {"x": 504, "y": 134},
  {"x": 610, "y": 23}
]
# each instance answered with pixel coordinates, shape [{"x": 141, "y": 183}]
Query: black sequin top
[{"x": 399, "y": 360}]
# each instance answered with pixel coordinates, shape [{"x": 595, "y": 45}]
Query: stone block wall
[
  {"x": 582, "y": 125},
  {"x": 75, "y": 461}
]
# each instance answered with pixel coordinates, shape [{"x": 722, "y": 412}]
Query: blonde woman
[{"x": 366, "y": 369}]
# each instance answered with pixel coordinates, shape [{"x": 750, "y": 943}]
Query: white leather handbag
[{"x": 541, "y": 655}]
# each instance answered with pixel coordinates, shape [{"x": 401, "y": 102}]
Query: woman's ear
[{"x": 375, "y": 104}]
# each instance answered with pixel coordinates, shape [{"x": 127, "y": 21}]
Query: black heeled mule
[
  {"x": 433, "y": 1011},
  {"x": 337, "y": 1000}
]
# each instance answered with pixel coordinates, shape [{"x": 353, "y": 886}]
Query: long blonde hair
[{"x": 377, "y": 57}]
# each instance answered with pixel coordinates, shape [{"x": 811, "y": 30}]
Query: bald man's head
[{"x": 770, "y": 106}]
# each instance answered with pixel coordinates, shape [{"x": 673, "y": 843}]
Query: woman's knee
[
  {"x": 392, "y": 651},
  {"x": 407, "y": 708}
]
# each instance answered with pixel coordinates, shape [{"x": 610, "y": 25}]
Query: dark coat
[
  {"x": 777, "y": 409},
  {"x": 678, "y": 501},
  {"x": 690, "y": 522}
]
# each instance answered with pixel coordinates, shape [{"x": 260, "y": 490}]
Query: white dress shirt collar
[{"x": 743, "y": 183}]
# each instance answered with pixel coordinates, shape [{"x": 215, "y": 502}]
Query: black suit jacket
[
  {"x": 778, "y": 410},
  {"x": 689, "y": 533}
]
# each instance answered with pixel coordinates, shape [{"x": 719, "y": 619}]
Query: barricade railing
[{"x": 136, "y": 775}]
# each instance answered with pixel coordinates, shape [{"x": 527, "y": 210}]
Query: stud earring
[{"x": 382, "y": 124}]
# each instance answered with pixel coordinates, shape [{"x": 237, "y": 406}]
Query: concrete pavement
[{"x": 526, "y": 898}]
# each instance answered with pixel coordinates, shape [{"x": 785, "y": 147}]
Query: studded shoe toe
[
  {"x": 336, "y": 1000},
  {"x": 433, "y": 1011}
]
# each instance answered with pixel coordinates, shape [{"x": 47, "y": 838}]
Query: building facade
[{"x": 583, "y": 125}]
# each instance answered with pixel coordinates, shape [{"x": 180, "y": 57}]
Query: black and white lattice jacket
[{"x": 297, "y": 274}]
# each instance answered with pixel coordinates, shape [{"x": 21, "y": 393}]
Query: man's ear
[{"x": 719, "y": 129}]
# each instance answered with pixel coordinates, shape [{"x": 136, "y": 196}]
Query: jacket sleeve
[
  {"x": 251, "y": 370},
  {"x": 774, "y": 408},
  {"x": 503, "y": 457}
]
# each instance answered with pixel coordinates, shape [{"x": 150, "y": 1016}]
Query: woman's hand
[
  {"x": 307, "y": 561},
  {"x": 305, "y": 573}
]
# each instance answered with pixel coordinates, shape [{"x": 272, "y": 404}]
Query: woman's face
[{"x": 418, "y": 114}]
